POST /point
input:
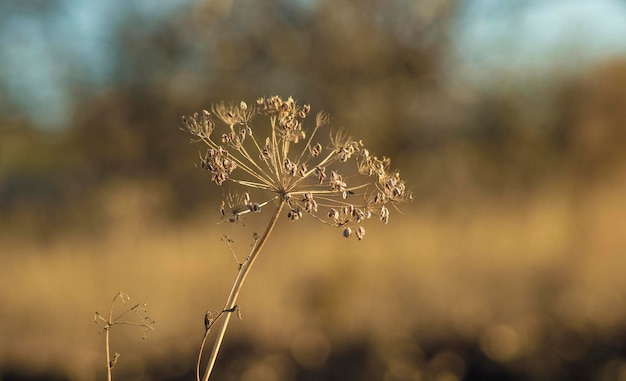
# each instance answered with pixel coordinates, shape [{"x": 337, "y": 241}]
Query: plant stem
[
  {"x": 107, "y": 335},
  {"x": 234, "y": 292},
  {"x": 106, "y": 341}
]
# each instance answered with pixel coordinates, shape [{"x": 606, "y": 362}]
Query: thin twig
[{"x": 110, "y": 322}]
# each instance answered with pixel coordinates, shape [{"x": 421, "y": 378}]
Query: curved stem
[{"x": 231, "y": 303}]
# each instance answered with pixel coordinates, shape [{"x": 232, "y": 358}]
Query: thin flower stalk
[
  {"x": 231, "y": 303},
  {"x": 143, "y": 321}
]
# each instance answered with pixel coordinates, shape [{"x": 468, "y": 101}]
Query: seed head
[{"x": 335, "y": 180}]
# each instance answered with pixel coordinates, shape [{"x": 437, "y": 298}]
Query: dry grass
[{"x": 491, "y": 272}]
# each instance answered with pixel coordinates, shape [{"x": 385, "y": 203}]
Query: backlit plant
[{"x": 336, "y": 181}]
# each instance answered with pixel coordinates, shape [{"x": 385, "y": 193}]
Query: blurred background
[{"x": 506, "y": 118}]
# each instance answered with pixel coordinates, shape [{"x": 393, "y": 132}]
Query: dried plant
[
  {"x": 141, "y": 320},
  {"x": 338, "y": 183}
]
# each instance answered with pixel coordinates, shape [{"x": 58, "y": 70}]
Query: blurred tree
[
  {"x": 381, "y": 68},
  {"x": 366, "y": 63},
  {"x": 597, "y": 131}
]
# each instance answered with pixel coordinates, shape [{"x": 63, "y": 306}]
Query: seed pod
[
  {"x": 316, "y": 150},
  {"x": 384, "y": 215},
  {"x": 360, "y": 233},
  {"x": 303, "y": 169},
  {"x": 334, "y": 214}
]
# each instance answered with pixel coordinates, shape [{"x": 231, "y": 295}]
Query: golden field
[{"x": 533, "y": 283}]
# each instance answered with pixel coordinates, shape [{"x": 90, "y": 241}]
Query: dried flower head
[
  {"x": 235, "y": 205},
  {"x": 339, "y": 182}
]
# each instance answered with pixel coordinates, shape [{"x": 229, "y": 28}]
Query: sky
[
  {"x": 496, "y": 38},
  {"x": 41, "y": 52},
  {"x": 46, "y": 45}
]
